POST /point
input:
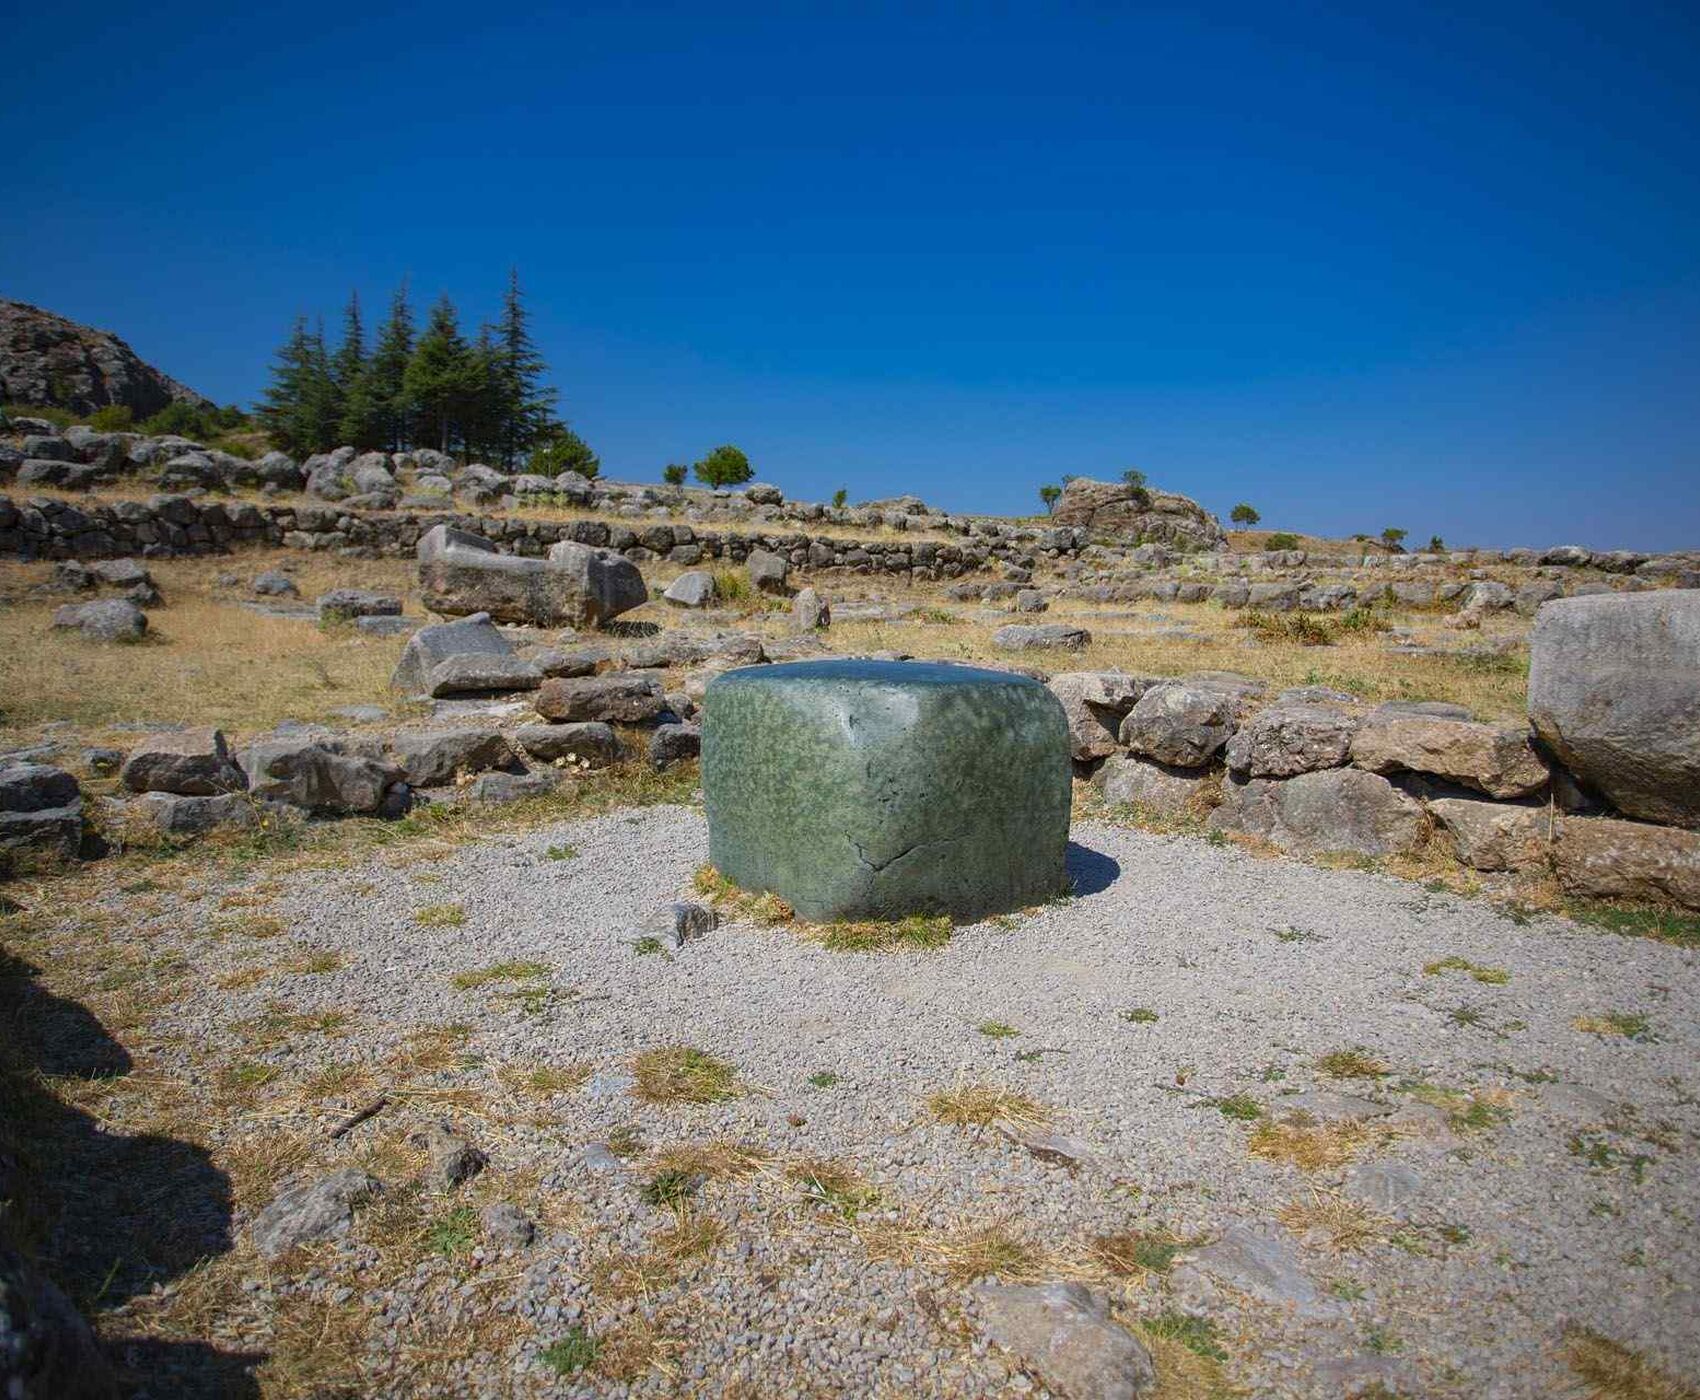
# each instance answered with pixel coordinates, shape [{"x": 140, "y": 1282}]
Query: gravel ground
[{"x": 1568, "y": 1197}]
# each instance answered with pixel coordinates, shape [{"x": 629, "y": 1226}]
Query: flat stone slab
[{"x": 878, "y": 789}]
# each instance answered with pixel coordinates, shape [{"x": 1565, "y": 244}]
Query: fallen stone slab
[
  {"x": 171, "y": 814},
  {"x": 1496, "y": 759},
  {"x": 346, "y": 604},
  {"x": 1183, "y": 723},
  {"x": 476, "y": 673},
  {"x": 1606, "y": 859},
  {"x": 1066, "y": 1335},
  {"x": 574, "y": 585},
  {"x": 316, "y": 776},
  {"x": 1044, "y": 636},
  {"x": 622, "y": 698},
  {"x": 190, "y": 762},
  {"x": 1260, "y": 1261},
  {"x": 498, "y": 789},
  {"x": 1614, "y": 693},
  {"x": 1337, "y": 809},
  {"x": 695, "y": 589},
  {"x": 810, "y": 612}
]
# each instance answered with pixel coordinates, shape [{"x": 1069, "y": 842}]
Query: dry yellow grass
[
  {"x": 1309, "y": 1146},
  {"x": 1608, "y": 1370},
  {"x": 1346, "y": 1225},
  {"x": 981, "y": 1105}
]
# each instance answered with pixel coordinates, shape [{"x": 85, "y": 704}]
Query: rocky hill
[
  {"x": 48, "y": 361},
  {"x": 1114, "y": 510}
]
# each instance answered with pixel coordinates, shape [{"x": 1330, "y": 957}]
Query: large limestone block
[
  {"x": 1157, "y": 788},
  {"x": 1288, "y": 739},
  {"x": 1614, "y": 692},
  {"x": 1495, "y": 759},
  {"x": 1606, "y": 859},
  {"x": 1183, "y": 723},
  {"x": 1491, "y": 835},
  {"x": 1337, "y": 809},
  {"x": 877, "y": 789},
  {"x": 574, "y": 586},
  {"x": 1096, "y": 702},
  {"x": 429, "y": 647},
  {"x": 192, "y": 762}
]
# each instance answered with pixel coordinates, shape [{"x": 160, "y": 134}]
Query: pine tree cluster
[{"x": 479, "y": 399}]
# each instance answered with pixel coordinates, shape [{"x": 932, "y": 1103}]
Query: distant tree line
[{"x": 480, "y": 397}]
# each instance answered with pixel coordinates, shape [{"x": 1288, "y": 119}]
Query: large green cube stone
[{"x": 877, "y": 789}]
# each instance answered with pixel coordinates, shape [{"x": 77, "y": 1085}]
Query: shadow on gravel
[
  {"x": 1090, "y": 872},
  {"x": 105, "y": 1215}
]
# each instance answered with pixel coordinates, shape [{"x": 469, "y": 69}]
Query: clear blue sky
[{"x": 1427, "y": 266}]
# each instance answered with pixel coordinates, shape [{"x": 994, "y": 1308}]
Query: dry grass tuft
[
  {"x": 1609, "y": 1370},
  {"x": 1626, "y": 1025},
  {"x": 916, "y": 931},
  {"x": 510, "y": 971},
  {"x": 1347, "y": 1225},
  {"x": 1356, "y": 1063},
  {"x": 683, "y": 1074},
  {"x": 760, "y": 909},
  {"x": 986, "y": 1251},
  {"x": 1137, "y": 1254},
  {"x": 834, "y": 1184},
  {"x": 981, "y": 1105},
  {"x": 542, "y": 1081},
  {"x": 1183, "y": 1372},
  {"x": 718, "y": 1159},
  {"x": 1309, "y": 1146}
]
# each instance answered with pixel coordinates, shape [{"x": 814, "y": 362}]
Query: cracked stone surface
[{"x": 867, "y": 789}]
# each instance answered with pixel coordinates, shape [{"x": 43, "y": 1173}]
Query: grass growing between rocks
[
  {"x": 1608, "y": 1370},
  {"x": 981, "y": 1105},
  {"x": 1622, "y": 1025},
  {"x": 1347, "y": 1226},
  {"x": 1310, "y": 1146},
  {"x": 765, "y": 910},
  {"x": 676, "y": 1074}
]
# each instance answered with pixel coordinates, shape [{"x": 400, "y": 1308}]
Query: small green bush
[
  {"x": 565, "y": 452},
  {"x": 114, "y": 418},
  {"x": 1281, "y": 539},
  {"x": 725, "y": 466}
]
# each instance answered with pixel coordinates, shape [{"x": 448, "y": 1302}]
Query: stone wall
[{"x": 168, "y": 526}]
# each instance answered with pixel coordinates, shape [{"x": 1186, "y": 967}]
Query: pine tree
[
  {"x": 525, "y": 406},
  {"x": 359, "y": 423},
  {"x": 387, "y": 374},
  {"x": 445, "y": 379},
  {"x": 300, "y": 408}
]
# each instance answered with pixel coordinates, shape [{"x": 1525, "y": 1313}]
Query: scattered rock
[
  {"x": 41, "y": 808},
  {"x": 1066, "y": 1335},
  {"x": 681, "y": 920},
  {"x": 430, "y": 646},
  {"x": 507, "y": 1225},
  {"x": 695, "y": 589},
  {"x": 346, "y": 604},
  {"x": 590, "y": 741},
  {"x": 626, "y": 698},
  {"x": 574, "y": 585},
  {"x": 670, "y": 743},
  {"x": 767, "y": 571},
  {"x": 453, "y": 1161},
  {"x": 173, "y": 815},
  {"x": 318, "y": 777},
  {"x": 434, "y": 757},
  {"x": 1183, "y": 723},
  {"x": 190, "y": 762},
  {"x": 1260, "y": 1261},
  {"x": 1045, "y": 636},
  {"x": 1384, "y": 1186},
  {"x": 810, "y": 612},
  {"x": 106, "y": 620},
  {"x": 499, "y": 789},
  {"x": 313, "y": 1212}
]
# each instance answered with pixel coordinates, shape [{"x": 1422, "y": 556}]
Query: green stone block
[{"x": 878, "y": 789}]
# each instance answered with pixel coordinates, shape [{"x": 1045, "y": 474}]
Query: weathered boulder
[
  {"x": 429, "y": 646},
  {"x": 272, "y": 584},
  {"x": 671, "y": 743},
  {"x": 348, "y": 603},
  {"x": 121, "y": 573},
  {"x": 1157, "y": 788},
  {"x": 171, "y": 814},
  {"x": 695, "y": 589},
  {"x": 1288, "y": 739},
  {"x": 1336, "y": 809},
  {"x": 191, "y": 762},
  {"x": 574, "y": 586},
  {"x": 105, "y": 620},
  {"x": 1605, "y": 859},
  {"x": 760, "y": 493},
  {"x": 1614, "y": 693},
  {"x": 1492, "y": 835},
  {"x": 434, "y": 757},
  {"x": 313, "y": 1211},
  {"x": 497, "y": 789},
  {"x": 1096, "y": 702},
  {"x": 315, "y": 775},
  {"x": 41, "y": 808},
  {"x": 623, "y": 698},
  {"x": 1183, "y": 723},
  {"x": 590, "y": 742},
  {"x": 1043, "y": 637},
  {"x": 1117, "y": 511},
  {"x": 767, "y": 571},
  {"x": 1030, "y": 600},
  {"x": 1067, "y": 1337},
  {"x": 810, "y": 612},
  {"x": 473, "y": 673},
  {"x": 1496, "y": 759}
]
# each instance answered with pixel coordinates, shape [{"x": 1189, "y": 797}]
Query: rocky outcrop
[
  {"x": 1614, "y": 692},
  {"x": 54, "y": 362},
  {"x": 1115, "y": 511}
]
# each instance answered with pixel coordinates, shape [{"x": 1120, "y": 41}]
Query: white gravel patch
[{"x": 1510, "y": 1233}]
